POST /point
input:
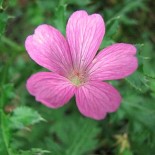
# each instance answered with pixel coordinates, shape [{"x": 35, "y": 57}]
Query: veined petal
[
  {"x": 51, "y": 89},
  {"x": 114, "y": 62},
  {"x": 95, "y": 99},
  {"x": 49, "y": 48},
  {"x": 84, "y": 34}
]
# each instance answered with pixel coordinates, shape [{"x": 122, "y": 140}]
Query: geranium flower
[{"x": 75, "y": 70}]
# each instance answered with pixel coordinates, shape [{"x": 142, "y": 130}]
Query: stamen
[{"x": 76, "y": 78}]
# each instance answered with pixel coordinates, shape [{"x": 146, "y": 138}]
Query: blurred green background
[{"x": 29, "y": 128}]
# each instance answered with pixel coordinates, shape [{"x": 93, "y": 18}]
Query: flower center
[{"x": 77, "y": 78}]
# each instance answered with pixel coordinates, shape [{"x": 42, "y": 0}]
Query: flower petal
[
  {"x": 114, "y": 62},
  {"x": 49, "y": 48},
  {"x": 84, "y": 34},
  {"x": 51, "y": 89},
  {"x": 96, "y": 99}
]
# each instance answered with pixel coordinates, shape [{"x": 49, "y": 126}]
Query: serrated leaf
[
  {"x": 80, "y": 139},
  {"x": 140, "y": 110},
  {"x": 147, "y": 60},
  {"x": 138, "y": 81},
  {"x": 83, "y": 140},
  {"x": 24, "y": 116},
  {"x": 139, "y": 46}
]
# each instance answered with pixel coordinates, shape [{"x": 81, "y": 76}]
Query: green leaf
[
  {"x": 80, "y": 139},
  {"x": 11, "y": 44},
  {"x": 139, "y": 46},
  {"x": 8, "y": 90},
  {"x": 130, "y": 6},
  {"x": 146, "y": 59},
  {"x": 1, "y": 2},
  {"x": 7, "y": 93},
  {"x": 138, "y": 81},
  {"x": 60, "y": 17},
  {"x": 65, "y": 133},
  {"x": 112, "y": 29},
  {"x": 3, "y": 21},
  {"x": 5, "y": 134},
  {"x": 83, "y": 140},
  {"x": 127, "y": 152},
  {"x": 106, "y": 42},
  {"x": 24, "y": 116},
  {"x": 140, "y": 110},
  {"x": 35, "y": 151},
  {"x": 79, "y": 3}
]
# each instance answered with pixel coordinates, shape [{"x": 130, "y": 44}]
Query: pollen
[{"x": 77, "y": 78}]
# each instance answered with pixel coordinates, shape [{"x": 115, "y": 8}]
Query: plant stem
[
  {"x": 3, "y": 117},
  {"x": 4, "y": 127}
]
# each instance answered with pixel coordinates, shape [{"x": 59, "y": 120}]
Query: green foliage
[
  {"x": 138, "y": 81},
  {"x": 76, "y": 141},
  {"x": 143, "y": 125},
  {"x": 60, "y": 17},
  {"x": 62, "y": 135},
  {"x": 29, "y": 128},
  {"x": 8, "y": 93},
  {"x": 34, "y": 151},
  {"x": 24, "y": 116},
  {"x": 5, "y": 134},
  {"x": 3, "y": 16},
  {"x": 3, "y": 21}
]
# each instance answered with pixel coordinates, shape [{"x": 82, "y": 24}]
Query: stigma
[{"x": 77, "y": 78}]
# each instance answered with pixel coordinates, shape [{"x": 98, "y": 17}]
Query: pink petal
[
  {"x": 84, "y": 34},
  {"x": 96, "y": 99},
  {"x": 51, "y": 89},
  {"x": 49, "y": 48},
  {"x": 114, "y": 62}
]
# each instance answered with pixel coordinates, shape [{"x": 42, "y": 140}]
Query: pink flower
[{"x": 75, "y": 68}]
